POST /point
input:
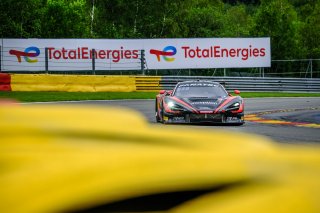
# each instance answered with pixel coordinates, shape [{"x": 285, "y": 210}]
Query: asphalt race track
[{"x": 288, "y": 120}]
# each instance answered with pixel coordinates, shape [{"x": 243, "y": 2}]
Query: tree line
[{"x": 292, "y": 25}]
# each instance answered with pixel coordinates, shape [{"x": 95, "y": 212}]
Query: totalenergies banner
[{"x": 125, "y": 54}]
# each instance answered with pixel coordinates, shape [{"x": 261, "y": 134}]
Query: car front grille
[{"x": 205, "y": 117}]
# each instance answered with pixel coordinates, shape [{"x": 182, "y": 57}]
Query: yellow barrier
[
  {"x": 148, "y": 83},
  {"x": 68, "y": 158},
  {"x": 72, "y": 83}
]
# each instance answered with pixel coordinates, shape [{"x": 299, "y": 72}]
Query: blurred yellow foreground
[{"x": 72, "y": 158}]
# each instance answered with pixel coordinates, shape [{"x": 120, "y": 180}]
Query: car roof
[{"x": 198, "y": 81}]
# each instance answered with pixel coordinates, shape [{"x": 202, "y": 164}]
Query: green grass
[{"x": 77, "y": 96}]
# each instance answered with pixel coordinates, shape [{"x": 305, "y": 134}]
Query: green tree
[
  {"x": 21, "y": 18},
  {"x": 66, "y": 19},
  {"x": 112, "y": 18},
  {"x": 237, "y": 22},
  {"x": 278, "y": 19},
  {"x": 311, "y": 33},
  {"x": 203, "y": 18},
  {"x": 138, "y": 19}
]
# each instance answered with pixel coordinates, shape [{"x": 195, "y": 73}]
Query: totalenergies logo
[
  {"x": 165, "y": 53},
  {"x": 28, "y": 53}
]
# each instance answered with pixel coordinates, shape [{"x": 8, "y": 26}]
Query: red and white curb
[{"x": 258, "y": 118}]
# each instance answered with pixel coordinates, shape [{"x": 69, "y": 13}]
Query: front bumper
[{"x": 227, "y": 118}]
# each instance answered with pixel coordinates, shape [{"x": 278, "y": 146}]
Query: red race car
[{"x": 199, "y": 102}]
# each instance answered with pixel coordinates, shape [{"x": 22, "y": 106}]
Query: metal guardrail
[
  {"x": 156, "y": 83},
  {"x": 148, "y": 83},
  {"x": 251, "y": 83}
]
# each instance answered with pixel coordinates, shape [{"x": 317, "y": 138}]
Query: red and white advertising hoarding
[{"x": 125, "y": 54}]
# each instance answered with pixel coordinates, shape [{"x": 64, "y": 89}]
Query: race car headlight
[
  {"x": 170, "y": 105},
  {"x": 234, "y": 106},
  {"x": 175, "y": 107}
]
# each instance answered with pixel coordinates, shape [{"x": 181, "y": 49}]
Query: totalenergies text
[
  {"x": 218, "y": 52},
  {"x": 86, "y": 53}
]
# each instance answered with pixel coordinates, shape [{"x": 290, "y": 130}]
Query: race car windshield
[{"x": 200, "y": 90}]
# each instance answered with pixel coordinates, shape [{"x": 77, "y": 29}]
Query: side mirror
[
  {"x": 161, "y": 92},
  {"x": 236, "y": 92}
]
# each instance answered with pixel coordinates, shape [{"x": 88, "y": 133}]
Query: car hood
[{"x": 203, "y": 103}]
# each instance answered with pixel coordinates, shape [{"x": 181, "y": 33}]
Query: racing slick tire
[{"x": 157, "y": 113}]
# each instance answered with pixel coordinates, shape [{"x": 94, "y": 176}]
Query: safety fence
[
  {"x": 148, "y": 83},
  {"x": 296, "y": 68},
  {"x": 101, "y": 62},
  {"x": 129, "y": 83},
  {"x": 252, "y": 84},
  {"x": 231, "y": 83}
]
